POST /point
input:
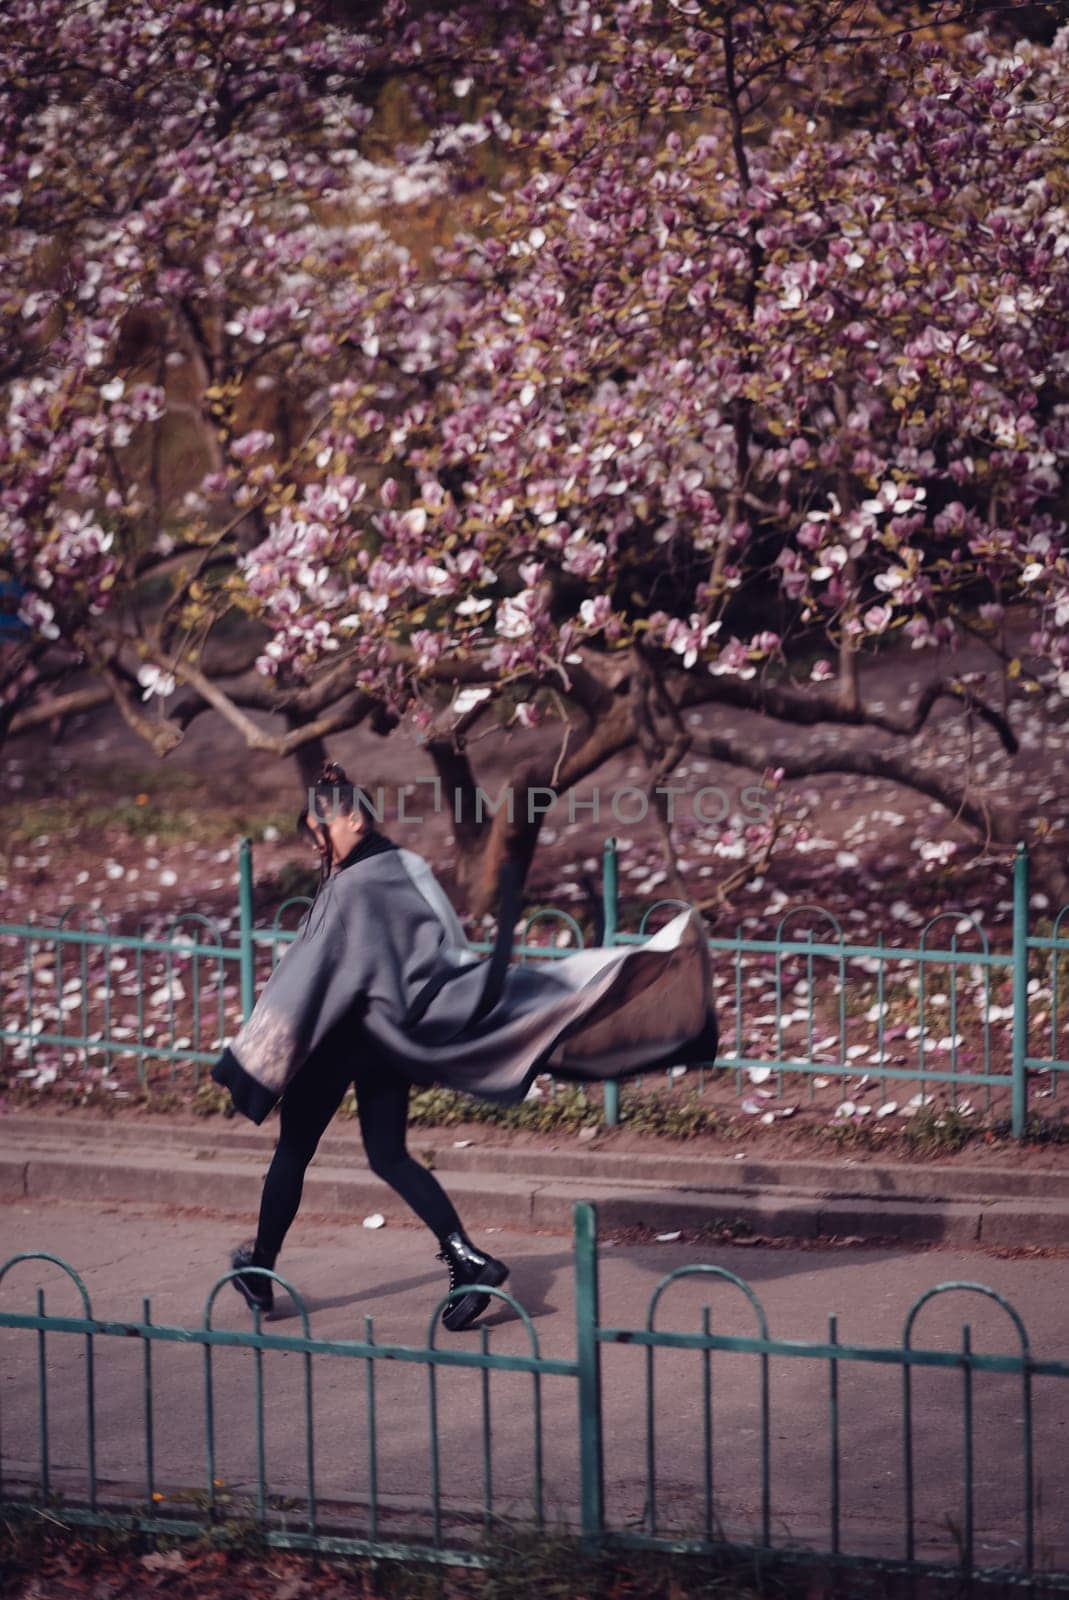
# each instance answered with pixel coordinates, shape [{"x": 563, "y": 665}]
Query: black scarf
[{"x": 373, "y": 843}]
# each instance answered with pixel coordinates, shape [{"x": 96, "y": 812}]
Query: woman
[{"x": 380, "y": 990}]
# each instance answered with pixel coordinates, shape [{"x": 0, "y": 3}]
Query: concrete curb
[
  {"x": 597, "y": 1162},
  {"x": 229, "y": 1181}
]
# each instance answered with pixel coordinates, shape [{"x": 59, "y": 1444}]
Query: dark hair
[{"x": 332, "y": 793}]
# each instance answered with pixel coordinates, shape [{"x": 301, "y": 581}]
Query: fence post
[
  {"x": 588, "y": 1360},
  {"x": 609, "y": 892},
  {"x": 1019, "y": 1087},
  {"x": 247, "y": 957}
]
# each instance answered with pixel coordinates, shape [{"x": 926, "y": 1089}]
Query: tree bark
[
  {"x": 63, "y": 705},
  {"x": 453, "y": 769},
  {"x": 516, "y": 838},
  {"x": 309, "y": 758}
]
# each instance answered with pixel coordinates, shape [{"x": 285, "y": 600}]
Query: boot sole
[
  {"x": 460, "y": 1314},
  {"x": 264, "y": 1307},
  {"x": 254, "y": 1301}
]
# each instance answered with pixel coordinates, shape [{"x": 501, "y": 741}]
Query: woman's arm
[{"x": 319, "y": 980}]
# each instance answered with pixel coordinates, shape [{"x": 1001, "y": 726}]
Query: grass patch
[
  {"x": 91, "y": 1094},
  {"x": 136, "y": 803},
  {"x": 567, "y": 1111},
  {"x": 931, "y": 1131},
  {"x": 941, "y": 1130},
  {"x": 1037, "y": 1130},
  {"x": 137, "y": 816}
]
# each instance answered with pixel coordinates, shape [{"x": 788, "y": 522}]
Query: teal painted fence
[
  {"x": 1000, "y": 1425},
  {"x": 944, "y": 1014}
]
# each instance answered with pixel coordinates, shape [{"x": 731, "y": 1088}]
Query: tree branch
[
  {"x": 800, "y": 706},
  {"x": 863, "y": 763},
  {"x": 346, "y": 715},
  {"x": 160, "y": 735},
  {"x": 661, "y": 758},
  {"x": 63, "y": 705}
]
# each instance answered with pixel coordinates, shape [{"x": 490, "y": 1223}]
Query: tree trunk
[
  {"x": 515, "y": 837},
  {"x": 309, "y": 757}
]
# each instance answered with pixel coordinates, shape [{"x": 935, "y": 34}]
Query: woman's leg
[
  {"x": 304, "y": 1112},
  {"x": 382, "y": 1105}
]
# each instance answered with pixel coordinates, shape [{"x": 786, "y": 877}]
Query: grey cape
[{"x": 382, "y": 951}]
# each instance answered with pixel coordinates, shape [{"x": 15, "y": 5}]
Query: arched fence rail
[
  {"x": 945, "y": 1015},
  {"x": 973, "y": 1490}
]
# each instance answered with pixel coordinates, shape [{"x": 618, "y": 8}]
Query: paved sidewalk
[
  {"x": 347, "y": 1273},
  {"x": 192, "y": 1162}
]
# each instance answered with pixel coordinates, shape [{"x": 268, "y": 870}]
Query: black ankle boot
[
  {"x": 468, "y": 1265},
  {"x": 257, "y": 1291}
]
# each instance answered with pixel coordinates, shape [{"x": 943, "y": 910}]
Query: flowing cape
[{"x": 382, "y": 953}]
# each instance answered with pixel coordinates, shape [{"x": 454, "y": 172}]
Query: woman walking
[{"x": 379, "y": 991}]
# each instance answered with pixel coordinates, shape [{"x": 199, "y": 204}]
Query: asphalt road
[{"x": 348, "y": 1274}]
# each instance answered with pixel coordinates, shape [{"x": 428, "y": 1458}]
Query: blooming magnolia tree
[
  {"x": 191, "y": 243},
  {"x": 744, "y": 355},
  {"x": 760, "y": 367}
]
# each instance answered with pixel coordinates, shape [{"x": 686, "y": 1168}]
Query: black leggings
[{"x": 305, "y": 1111}]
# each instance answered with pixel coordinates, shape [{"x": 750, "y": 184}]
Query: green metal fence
[
  {"x": 1004, "y": 1421},
  {"x": 945, "y": 1013}
]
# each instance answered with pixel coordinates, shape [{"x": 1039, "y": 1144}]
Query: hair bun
[{"x": 332, "y": 773}]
